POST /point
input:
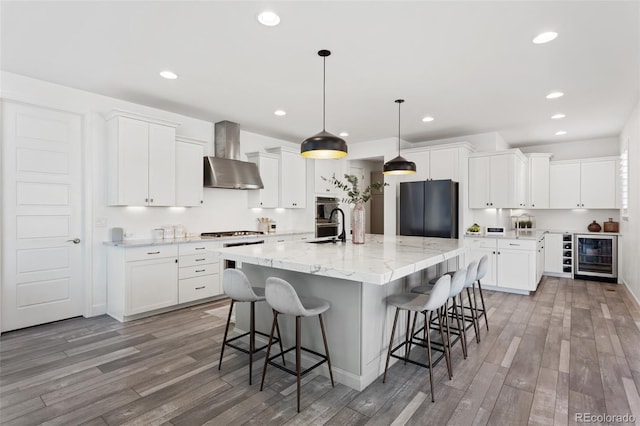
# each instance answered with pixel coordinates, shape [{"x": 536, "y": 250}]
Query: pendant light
[
  {"x": 323, "y": 145},
  {"x": 399, "y": 166}
]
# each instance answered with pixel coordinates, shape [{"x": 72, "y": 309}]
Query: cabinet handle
[
  {"x": 487, "y": 204},
  {"x": 512, "y": 244},
  {"x": 200, "y": 248},
  {"x": 578, "y": 205},
  {"x": 533, "y": 205},
  {"x": 153, "y": 252},
  {"x": 490, "y": 204},
  {"x": 498, "y": 252},
  {"x": 494, "y": 252},
  {"x": 151, "y": 200},
  {"x": 146, "y": 200},
  {"x": 200, "y": 270},
  {"x": 200, "y": 260},
  {"x": 583, "y": 205},
  {"x": 201, "y": 201},
  {"x": 200, "y": 288}
]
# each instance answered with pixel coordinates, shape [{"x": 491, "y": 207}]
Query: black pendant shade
[
  {"x": 323, "y": 145},
  {"x": 399, "y": 165}
]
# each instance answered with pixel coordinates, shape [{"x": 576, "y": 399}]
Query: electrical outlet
[
  {"x": 129, "y": 235},
  {"x": 101, "y": 222}
]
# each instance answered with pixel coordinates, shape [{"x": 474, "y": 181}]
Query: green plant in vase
[{"x": 358, "y": 198}]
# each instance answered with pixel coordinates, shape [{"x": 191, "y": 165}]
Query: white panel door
[
  {"x": 539, "y": 182},
  {"x": 553, "y": 253},
  {"x": 503, "y": 181},
  {"x": 133, "y": 162},
  {"x": 189, "y": 173},
  {"x": 516, "y": 269},
  {"x": 162, "y": 165},
  {"x": 41, "y": 195},
  {"x": 598, "y": 184}
]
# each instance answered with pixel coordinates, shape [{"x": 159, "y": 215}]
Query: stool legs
[
  {"x": 484, "y": 310},
  {"x": 393, "y": 332},
  {"x": 433, "y": 399},
  {"x": 266, "y": 359},
  {"x": 326, "y": 349},
  {"x": 474, "y": 317},
  {"x": 463, "y": 336},
  {"x": 298, "y": 360},
  {"x": 226, "y": 331},
  {"x": 252, "y": 337},
  {"x": 445, "y": 344}
]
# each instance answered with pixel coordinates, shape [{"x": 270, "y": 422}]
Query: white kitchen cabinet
[
  {"x": 538, "y": 181},
  {"x": 422, "y": 158},
  {"x": 141, "y": 160},
  {"x": 189, "y": 172},
  {"x": 512, "y": 262},
  {"x": 553, "y": 253},
  {"x": 327, "y": 169},
  {"x": 540, "y": 259},
  {"x": 494, "y": 180},
  {"x": 151, "y": 284},
  {"x": 444, "y": 164},
  {"x": 293, "y": 178},
  {"x": 199, "y": 271},
  {"x": 588, "y": 184},
  {"x": 269, "y": 167},
  {"x": 522, "y": 182}
]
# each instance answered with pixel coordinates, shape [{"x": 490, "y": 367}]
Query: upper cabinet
[
  {"x": 292, "y": 178},
  {"x": 433, "y": 164},
  {"x": 589, "y": 184},
  {"x": 495, "y": 180},
  {"x": 269, "y": 167},
  {"x": 141, "y": 156},
  {"x": 189, "y": 171},
  {"x": 326, "y": 169},
  {"x": 539, "y": 181}
]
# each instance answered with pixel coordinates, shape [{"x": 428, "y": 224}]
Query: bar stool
[
  {"x": 483, "y": 266},
  {"x": 472, "y": 273},
  {"x": 283, "y": 299},
  {"x": 457, "y": 285},
  {"x": 237, "y": 287},
  {"x": 424, "y": 304}
]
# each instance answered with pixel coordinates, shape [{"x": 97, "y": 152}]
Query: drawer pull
[
  {"x": 200, "y": 270},
  {"x": 200, "y": 288},
  {"x": 153, "y": 252},
  {"x": 200, "y": 248},
  {"x": 200, "y": 260},
  {"x": 512, "y": 244}
]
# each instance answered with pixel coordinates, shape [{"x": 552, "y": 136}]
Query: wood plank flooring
[{"x": 573, "y": 347}]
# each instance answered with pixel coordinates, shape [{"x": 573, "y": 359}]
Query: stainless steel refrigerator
[{"x": 429, "y": 208}]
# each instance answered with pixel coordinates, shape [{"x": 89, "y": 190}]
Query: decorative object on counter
[
  {"x": 158, "y": 234},
  {"x": 594, "y": 227},
  {"x": 179, "y": 231},
  {"x": 354, "y": 196},
  {"x": 169, "y": 232},
  {"x": 272, "y": 226},
  {"x": 523, "y": 221},
  {"x": 263, "y": 225},
  {"x": 323, "y": 145},
  {"x": 399, "y": 165},
  {"x": 474, "y": 229},
  {"x": 611, "y": 226},
  {"x": 117, "y": 235}
]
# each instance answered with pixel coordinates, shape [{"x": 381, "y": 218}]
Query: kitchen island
[{"x": 356, "y": 280}]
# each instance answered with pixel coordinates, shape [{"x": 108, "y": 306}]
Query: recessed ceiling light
[
  {"x": 560, "y": 133},
  {"x": 427, "y": 119},
  {"x": 555, "y": 95},
  {"x": 344, "y": 134},
  {"x": 558, "y": 116},
  {"x": 169, "y": 75},
  {"x": 268, "y": 18},
  {"x": 280, "y": 112},
  {"x": 545, "y": 37}
]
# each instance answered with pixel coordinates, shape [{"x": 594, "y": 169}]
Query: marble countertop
[
  {"x": 535, "y": 235},
  {"x": 197, "y": 238},
  {"x": 380, "y": 260}
]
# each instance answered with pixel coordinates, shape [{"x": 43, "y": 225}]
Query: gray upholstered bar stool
[
  {"x": 420, "y": 304},
  {"x": 472, "y": 273},
  {"x": 483, "y": 266},
  {"x": 455, "y": 295},
  {"x": 283, "y": 299},
  {"x": 237, "y": 287}
]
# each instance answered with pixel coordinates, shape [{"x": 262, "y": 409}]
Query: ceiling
[{"x": 471, "y": 65}]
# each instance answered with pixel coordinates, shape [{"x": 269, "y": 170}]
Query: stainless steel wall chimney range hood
[{"x": 225, "y": 170}]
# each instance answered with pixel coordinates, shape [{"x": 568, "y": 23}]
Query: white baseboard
[
  {"x": 633, "y": 296},
  {"x": 505, "y": 290},
  {"x": 97, "y": 310}
]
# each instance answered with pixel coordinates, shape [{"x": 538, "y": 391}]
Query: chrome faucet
[{"x": 343, "y": 236}]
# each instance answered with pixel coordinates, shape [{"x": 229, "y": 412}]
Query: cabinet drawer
[
  {"x": 197, "y": 259},
  {"x": 151, "y": 252},
  {"x": 480, "y": 242},
  {"x": 198, "y": 248},
  {"x": 196, "y": 288},
  {"x": 198, "y": 270},
  {"x": 517, "y": 244}
]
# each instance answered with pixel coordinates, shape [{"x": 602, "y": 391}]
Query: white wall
[
  {"x": 222, "y": 210},
  {"x": 603, "y": 147},
  {"x": 630, "y": 227}
]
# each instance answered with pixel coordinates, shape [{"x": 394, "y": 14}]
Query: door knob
[{"x": 74, "y": 241}]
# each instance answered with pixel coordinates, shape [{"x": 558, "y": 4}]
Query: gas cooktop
[{"x": 229, "y": 234}]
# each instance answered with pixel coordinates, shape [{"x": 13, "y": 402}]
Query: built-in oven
[
  {"x": 596, "y": 257},
  {"x": 326, "y": 226},
  {"x": 232, "y": 263}
]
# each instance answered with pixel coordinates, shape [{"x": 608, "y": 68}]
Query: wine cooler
[{"x": 596, "y": 257}]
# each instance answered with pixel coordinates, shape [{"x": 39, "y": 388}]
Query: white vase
[{"x": 358, "y": 223}]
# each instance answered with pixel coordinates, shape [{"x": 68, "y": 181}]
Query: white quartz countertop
[
  {"x": 380, "y": 260},
  {"x": 197, "y": 239},
  {"x": 535, "y": 235}
]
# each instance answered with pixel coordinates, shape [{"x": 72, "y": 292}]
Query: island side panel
[{"x": 343, "y": 321}]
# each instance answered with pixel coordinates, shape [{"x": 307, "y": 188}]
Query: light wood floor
[{"x": 572, "y": 347}]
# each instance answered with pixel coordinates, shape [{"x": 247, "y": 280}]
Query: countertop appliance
[
  {"x": 596, "y": 257},
  {"x": 429, "y": 208},
  {"x": 325, "y": 225},
  {"x": 496, "y": 230}
]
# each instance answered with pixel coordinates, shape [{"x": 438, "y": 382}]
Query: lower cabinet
[
  {"x": 513, "y": 263},
  {"x": 144, "y": 279}
]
